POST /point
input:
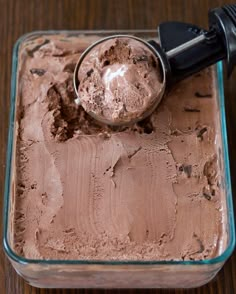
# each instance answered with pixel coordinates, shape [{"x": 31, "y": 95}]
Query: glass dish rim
[{"x": 22, "y": 260}]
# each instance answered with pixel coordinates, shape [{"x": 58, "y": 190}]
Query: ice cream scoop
[{"x": 121, "y": 79}]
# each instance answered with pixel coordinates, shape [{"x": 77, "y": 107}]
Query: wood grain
[{"x": 20, "y": 16}]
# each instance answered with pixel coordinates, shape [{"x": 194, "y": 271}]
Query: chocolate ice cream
[
  {"x": 120, "y": 80},
  {"x": 151, "y": 191}
]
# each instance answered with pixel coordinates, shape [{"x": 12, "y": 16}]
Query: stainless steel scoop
[
  {"x": 184, "y": 50},
  {"x": 149, "y": 110}
]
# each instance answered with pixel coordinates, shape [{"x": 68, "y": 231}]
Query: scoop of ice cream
[{"x": 120, "y": 80}]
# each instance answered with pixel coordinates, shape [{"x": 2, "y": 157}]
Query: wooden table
[{"x": 20, "y": 16}]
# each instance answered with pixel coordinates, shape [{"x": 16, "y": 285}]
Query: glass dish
[{"x": 113, "y": 274}]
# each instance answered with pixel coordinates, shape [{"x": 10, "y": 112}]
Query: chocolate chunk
[
  {"x": 181, "y": 168},
  {"x": 207, "y": 196},
  {"x": 201, "y": 132},
  {"x": 190, "y": 109},
  {"x": 33, "y": 186},
  {"x": 37, "y": 71},
  {"x": 105, "y": 63},
  {"x": 146, "y": 126},
  {"x": 207, "y": 192},
  {"x": 37, "y": 47},
  {"x": 134, "y": 152},
  {"x": 201, "y": 246},
  {"x": 141, "y": 58},
  {"x": 210, "y": 170},
  {"x": 70, "y": 67},
  {"x": 176, "y": 133},
  {"x": 89, "y": 72},
  {"x": 188, "y": 170},
  {"x": 200, "y": 95}
]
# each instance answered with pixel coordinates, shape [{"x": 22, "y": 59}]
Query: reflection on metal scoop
[{"x": 184, "y": 50}]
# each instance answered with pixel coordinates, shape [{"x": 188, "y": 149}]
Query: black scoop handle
[
  {"x": 219, "y": 43},
  {"x": 223, "y": 21}
]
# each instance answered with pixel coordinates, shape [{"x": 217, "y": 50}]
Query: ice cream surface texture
[
  {"x": 82, "y": 190},
  {"x": 120, "y": 79}
]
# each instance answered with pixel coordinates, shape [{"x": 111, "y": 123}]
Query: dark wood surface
[{"x": 20, "y": 16}]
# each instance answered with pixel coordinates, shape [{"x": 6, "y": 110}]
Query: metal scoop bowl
[{"x": 131, "y": 119}]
